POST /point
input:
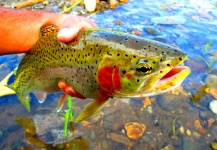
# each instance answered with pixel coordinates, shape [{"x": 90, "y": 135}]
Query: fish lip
[{"x": 173, "y": 73}]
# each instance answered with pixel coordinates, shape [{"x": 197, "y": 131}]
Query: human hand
[{"x": 71, "y": 25}]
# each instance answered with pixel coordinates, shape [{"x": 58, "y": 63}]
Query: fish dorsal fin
[
  {"x": 41, "y": 96},
  {"x": 48, "y": 29}
]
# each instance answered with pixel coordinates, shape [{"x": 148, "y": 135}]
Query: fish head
[{"x": 149, "y": 71}]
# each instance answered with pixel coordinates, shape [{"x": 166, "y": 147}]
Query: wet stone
[
  {"x": 152, "y": 30},
  {"x": 146, "y": 138},
  {"x": 168, "y": 102},
  {"x": 213, "y": 106},
  {"x": 92, "y": 135},
  {"x": 205, "y": 115},
  {"x": 188, "y": 144},
  {"x": 210, "y": 78}
]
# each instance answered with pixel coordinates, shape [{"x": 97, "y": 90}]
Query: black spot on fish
[
  {"x": 91, "y": 49},
  {"x": 114, "y": 66},
  {"x": 118, "y": 54},
  {"x": 154, "y": 62},
  {"x": 134, "y": 56},
  {"x": 109, "y": 53},
  {"x": 88, "y": 54},
  {"x": 137, "y": 80},
  {"x": 120, "y": 43},
  {"x": 180, "y": 58},
  {"x": 72, "y": 55},
  {"x": 97, "y": 88},
  {"x": 168, "y": 65},
  {"x": 126, "y": 39},
  {"x": 96, "y": 44},
  {"x": 137, "y": 41},
  {"x": 73, "y": 77},
  {"x": 162, "y": 52},
  {"x": 175, "y": 50},
  {"x": 144, "y": 48},
  {"x": 156, "y": 48},
  {"x": 149, "y": 46},
  {"x": 126, "y": 55},
  {"x": 161, "y": 71},
  {"x": 100, "y": 51},
  {"x": 106, "y": 35},
  {"x": 95, "y": 81},
  {"x": 74, "y": 50},
  {"x": 78, "y": 55},
  {"x": 85, "y": 43}
]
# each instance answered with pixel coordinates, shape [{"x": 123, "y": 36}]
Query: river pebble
[
  {"x": 205, "y": 115},
  {"x": 167, "y": 102},
  {"x": 135, "y": 130},
  {"x": 213, "y": 106}
]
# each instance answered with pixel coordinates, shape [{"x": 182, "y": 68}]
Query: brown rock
[{"x": 135, "y": 130}]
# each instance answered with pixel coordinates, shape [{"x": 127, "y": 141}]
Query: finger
[{"x": 67, "y": 34}]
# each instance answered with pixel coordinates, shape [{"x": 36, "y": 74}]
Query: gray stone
[
  {"x": 205, "y": 115},
  {"x": 168, "y": 102},
  {"x": 152, "y": 30},
  {"x": 146, "y": 138},
  {"x": 210, "y": 78},
  {"x": 92, "y": 135},
  {"x": 188, "y": 144}
]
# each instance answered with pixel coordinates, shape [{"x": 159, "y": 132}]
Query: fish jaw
[{"x": 169, "y": 78}]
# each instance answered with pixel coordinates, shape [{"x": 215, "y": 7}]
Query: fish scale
[{"x": 98, "y": 64}]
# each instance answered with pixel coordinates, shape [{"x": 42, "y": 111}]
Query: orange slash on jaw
[{"x": 68, "y": 90}]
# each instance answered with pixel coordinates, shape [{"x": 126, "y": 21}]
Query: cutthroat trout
[{"x": 100, "y": 65}]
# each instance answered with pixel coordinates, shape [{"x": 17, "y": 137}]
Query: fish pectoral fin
[
  {"x": 91, "y": 109},
  {"x": 62, "y": 101},
  {"x": 41, "y": 96},
  {"x": 66, "y": 88}
]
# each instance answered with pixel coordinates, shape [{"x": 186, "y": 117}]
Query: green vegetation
[
  {"x": 69, "y": 116},
  {"x": 70, "y": 8},
  {"x": 206, "y": 47}
]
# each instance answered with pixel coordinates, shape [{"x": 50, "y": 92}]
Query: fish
[{"x": 98, "y": 64}]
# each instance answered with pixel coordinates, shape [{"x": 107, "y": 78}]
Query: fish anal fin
[
  {"x": 91, "y": 109},
  {"x": 48, "y": 29},
  {"x": 62, "y": 101},
  {"x": 25, "y": 100},
  {"x": 66, "y": 88},
  {"x": 40, "y": 95}
]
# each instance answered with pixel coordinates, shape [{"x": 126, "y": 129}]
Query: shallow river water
[{"x": 184, "y": 119}]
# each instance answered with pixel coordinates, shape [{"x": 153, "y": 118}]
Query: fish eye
[{"x": 143, "y": 67}]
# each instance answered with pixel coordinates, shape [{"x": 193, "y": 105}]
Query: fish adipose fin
[
  {"x": 5, "y": 89},
  {"x": 91, "y": 109}
]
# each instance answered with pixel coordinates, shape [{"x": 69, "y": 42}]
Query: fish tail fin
[
  {"x": 91, "y": 109},
  {"x": 6, "y": 89}
]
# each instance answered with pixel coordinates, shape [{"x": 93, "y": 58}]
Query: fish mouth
[{"x": 172, "y": 78}]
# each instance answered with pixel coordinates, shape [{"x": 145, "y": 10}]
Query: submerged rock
[
  {"x": 168, "y": 102},
  {"x": 135, "y": 130},
  {"x": 213, "y": 106}
]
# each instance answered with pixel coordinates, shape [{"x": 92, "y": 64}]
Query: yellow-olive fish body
[{"x": 98, "y": 64}]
